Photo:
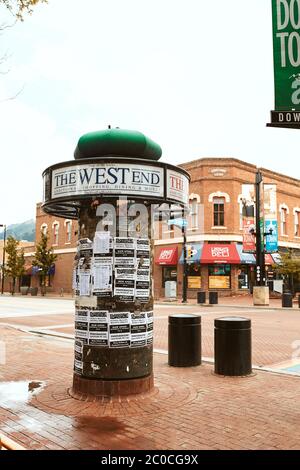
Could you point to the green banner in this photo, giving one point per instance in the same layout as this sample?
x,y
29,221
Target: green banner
x,y
286,38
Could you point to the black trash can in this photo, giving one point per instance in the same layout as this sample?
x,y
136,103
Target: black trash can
x,y
299,301
287,299
233,350
201,297
213,298
184,340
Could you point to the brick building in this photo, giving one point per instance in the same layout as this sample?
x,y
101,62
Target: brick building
x,y
215,227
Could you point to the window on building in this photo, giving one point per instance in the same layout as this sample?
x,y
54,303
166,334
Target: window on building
x,y
68,231
283,216
44,229
194,276
194,214
219,211
55,233
297,224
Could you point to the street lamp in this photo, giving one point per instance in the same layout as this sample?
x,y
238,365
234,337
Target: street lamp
x,y
3,257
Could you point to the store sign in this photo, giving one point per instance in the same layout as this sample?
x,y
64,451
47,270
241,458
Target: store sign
x,y
219,282
177,186
108,178
286,44
194,282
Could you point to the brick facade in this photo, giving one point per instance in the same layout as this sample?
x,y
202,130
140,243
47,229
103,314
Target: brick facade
x,y
210,177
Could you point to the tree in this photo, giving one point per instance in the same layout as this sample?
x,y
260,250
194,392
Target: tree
x,y
289,268
16,261
43,259
21,7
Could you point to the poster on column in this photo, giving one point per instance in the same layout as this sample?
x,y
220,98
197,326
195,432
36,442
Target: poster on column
x,y
102,279
84,282
124,252
81,331
271,223
138,330
124,284
119,329
143,252
98,327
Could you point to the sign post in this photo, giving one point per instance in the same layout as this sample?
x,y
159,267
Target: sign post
x,y
286,48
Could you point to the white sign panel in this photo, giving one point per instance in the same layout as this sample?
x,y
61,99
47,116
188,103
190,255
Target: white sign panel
x,y
177,186
112,178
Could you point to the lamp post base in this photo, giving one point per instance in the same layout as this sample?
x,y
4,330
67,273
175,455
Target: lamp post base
x,y
93,390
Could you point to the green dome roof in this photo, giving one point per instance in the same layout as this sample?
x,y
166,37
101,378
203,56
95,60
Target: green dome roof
x,y
117,142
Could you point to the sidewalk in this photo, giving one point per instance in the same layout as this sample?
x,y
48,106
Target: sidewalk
x,y
190,408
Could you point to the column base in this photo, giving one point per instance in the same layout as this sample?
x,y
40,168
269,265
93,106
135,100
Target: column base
x,y
91,390
261,295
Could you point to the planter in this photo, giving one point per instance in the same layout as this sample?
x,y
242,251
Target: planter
x,y
24,290
33,290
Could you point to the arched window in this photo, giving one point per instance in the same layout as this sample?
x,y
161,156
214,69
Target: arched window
x,y
194,211
55,227
44,229
284,211
296,212
68,225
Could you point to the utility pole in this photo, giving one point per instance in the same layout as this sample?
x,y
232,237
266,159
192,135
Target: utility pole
x,y
260,231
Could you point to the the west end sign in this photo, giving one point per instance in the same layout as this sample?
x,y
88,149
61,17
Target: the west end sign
x,y
157,181
286,46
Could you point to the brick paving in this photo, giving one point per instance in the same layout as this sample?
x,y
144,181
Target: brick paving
x,y
189,408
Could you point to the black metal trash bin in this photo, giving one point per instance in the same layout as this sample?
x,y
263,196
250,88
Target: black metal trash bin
x,y
213,298
287,299
201,297
233,350
184,346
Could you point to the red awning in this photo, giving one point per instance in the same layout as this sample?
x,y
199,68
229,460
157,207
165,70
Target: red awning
x,y
219,253
167,256
268,259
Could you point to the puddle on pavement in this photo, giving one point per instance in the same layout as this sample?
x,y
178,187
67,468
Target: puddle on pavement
x,y
15,394
101,425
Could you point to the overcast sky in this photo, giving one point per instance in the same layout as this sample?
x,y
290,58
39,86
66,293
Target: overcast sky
x,y
196,76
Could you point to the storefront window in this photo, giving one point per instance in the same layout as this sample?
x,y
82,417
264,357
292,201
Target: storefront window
x,y
169,273
219,276
194,276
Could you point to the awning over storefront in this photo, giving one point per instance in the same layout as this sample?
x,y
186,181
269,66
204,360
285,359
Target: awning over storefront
x,y
167,256
193,252
245,258
220,253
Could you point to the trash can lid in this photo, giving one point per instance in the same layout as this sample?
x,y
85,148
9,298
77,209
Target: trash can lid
x,y
233,323
184,319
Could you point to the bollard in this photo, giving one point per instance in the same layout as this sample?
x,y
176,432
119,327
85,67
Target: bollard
x,y
233,352
201,297
184,347
287,299
213,298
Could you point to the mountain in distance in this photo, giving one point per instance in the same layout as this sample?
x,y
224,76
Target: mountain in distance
x,y
22,231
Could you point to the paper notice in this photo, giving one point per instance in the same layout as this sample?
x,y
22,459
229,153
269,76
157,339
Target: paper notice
x,y
125,273
119,318
102,242
102,277
99,316
84,283
98,338
81,315
143,252
124,252
119,340
138,340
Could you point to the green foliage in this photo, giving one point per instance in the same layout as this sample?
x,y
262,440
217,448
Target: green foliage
x,y
14,267
19,8
44,257
289,266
